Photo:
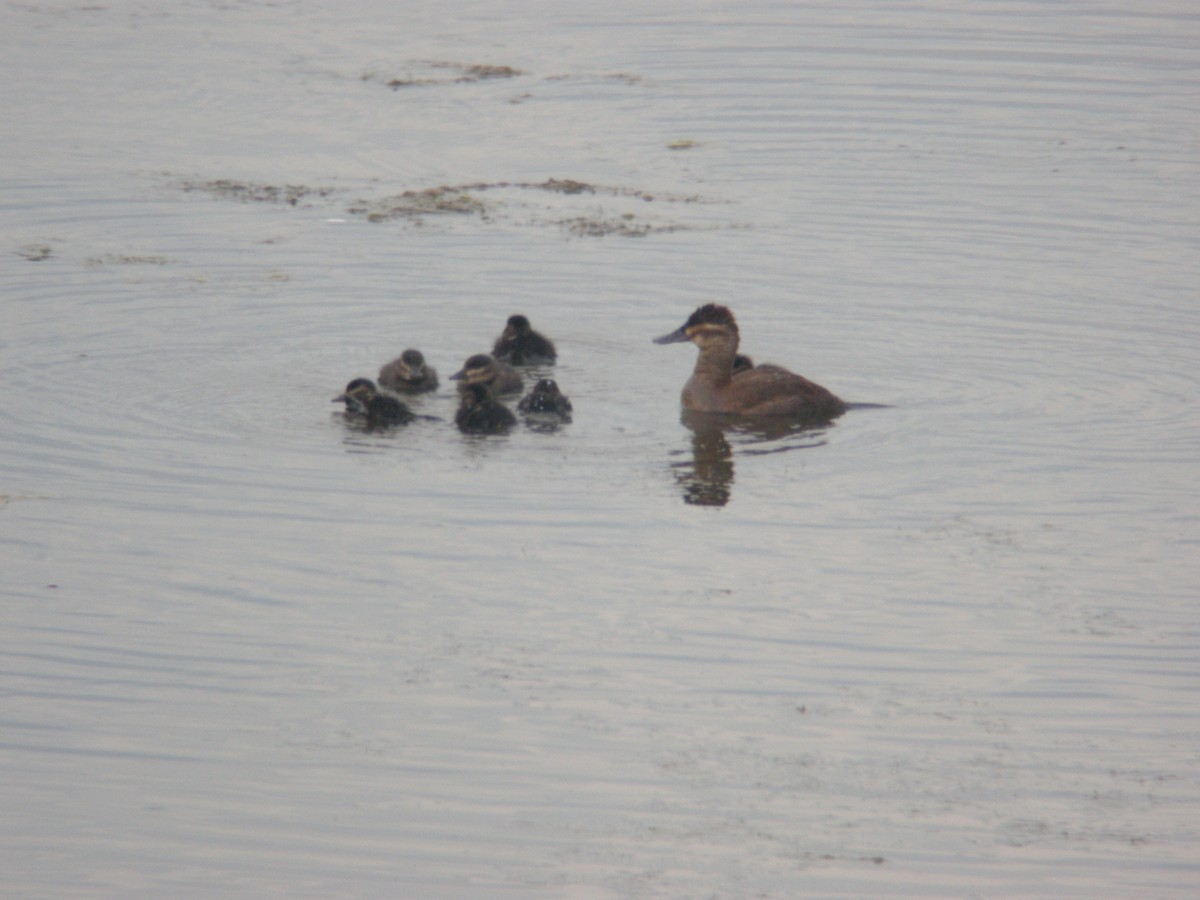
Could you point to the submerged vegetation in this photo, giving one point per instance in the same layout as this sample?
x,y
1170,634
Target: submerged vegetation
x,y
249,192
444,73
505,202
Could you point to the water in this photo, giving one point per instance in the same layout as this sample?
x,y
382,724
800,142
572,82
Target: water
x,y
947,647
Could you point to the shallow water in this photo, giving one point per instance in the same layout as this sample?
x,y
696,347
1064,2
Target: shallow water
x,y
945,647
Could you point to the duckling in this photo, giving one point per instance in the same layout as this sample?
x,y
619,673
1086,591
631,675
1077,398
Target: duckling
x,y
765,390
384,410
520,345
364,401
741,363
546,400
409,374
356,396
483,369
480,413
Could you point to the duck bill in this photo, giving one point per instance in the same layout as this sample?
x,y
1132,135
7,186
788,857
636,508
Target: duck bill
x,y
675,337
459,376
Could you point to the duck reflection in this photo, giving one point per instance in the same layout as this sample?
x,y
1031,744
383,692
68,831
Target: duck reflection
x,y
707,478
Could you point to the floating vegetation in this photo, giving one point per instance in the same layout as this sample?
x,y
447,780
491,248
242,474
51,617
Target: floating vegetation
x,y
483,73
464,199
417,204
35,252
507,201
247,192
623,77
625,225
446,73
122,259
682,144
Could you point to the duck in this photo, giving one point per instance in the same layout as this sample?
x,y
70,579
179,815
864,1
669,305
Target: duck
x,y
481,413
409,374
364,401
520,345
484,369
763,390
546,400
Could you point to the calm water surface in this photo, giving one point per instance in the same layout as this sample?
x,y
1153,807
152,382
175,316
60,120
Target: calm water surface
x,y
946,647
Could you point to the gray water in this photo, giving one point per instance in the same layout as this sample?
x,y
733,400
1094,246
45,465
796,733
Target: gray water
x,y
947,646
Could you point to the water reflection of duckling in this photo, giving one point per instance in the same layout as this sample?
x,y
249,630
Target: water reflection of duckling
x,y
364,401
546,400
764,390
520,345
480,413
409,374
483,369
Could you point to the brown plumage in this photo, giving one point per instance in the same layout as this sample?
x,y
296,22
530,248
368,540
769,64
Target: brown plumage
x,y
408,374
520,345
483,369
480,413
366,403
765,390
546,400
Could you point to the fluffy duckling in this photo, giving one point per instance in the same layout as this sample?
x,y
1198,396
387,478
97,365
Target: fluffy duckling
x,y
483,369
741,363
520,345
764,390
409,374
546,400
364,401
480,413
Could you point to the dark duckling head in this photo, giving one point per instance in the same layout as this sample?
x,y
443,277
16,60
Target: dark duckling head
x,y
357,395
409,374
756,391
547,400
364,401
480,413
741,363
484,369
520,345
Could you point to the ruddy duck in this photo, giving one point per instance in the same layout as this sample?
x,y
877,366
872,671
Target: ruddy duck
x,y
408,374
520,345
483,369
364,401
758,391
546,400
480,413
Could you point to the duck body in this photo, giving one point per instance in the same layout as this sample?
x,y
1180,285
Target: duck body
x,y
408,374
480,413
765,390
384,410
364,401
520,345
483,369
546,400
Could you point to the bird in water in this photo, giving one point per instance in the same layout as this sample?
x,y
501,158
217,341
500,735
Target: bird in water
x,y
764,390
483,369
481,413
520,345
546,400
364,401
408,374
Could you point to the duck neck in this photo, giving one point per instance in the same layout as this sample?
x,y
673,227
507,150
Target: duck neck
x,y
714,365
